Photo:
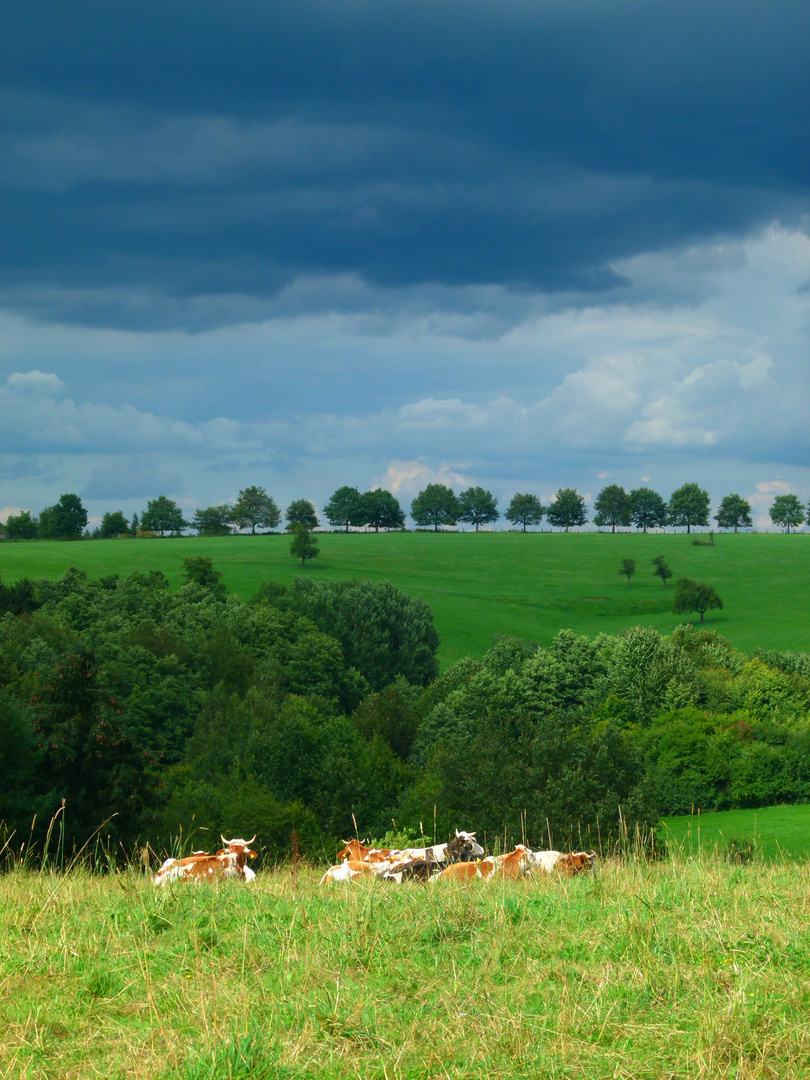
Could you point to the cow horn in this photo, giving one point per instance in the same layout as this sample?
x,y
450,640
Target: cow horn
x,y
224,841
250,841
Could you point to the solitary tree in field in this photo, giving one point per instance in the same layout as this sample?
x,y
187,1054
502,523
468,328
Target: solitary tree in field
x,y
303,545
301,512
734,513
380,509
254,507
525,510
345,508
695,596
436,505
627,569
787,511
661,569
567,510
613,507
478,507
688,506
648,509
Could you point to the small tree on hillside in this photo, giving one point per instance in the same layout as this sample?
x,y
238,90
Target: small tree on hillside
x,y
478,507
695,596
627,569
661,569
303,545
525,510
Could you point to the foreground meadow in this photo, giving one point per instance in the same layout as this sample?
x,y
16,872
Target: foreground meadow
x,y
686,968
482,584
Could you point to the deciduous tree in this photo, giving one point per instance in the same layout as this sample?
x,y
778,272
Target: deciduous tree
x,y
661,569
695,596
303,545
64,520
478,507
344,509
688,506
381,510
567,511
734,513
213,520
436,505
627,569
22,526
787,511
163,515
113,523
613,507
648,509
254,507
525,510
301,512
199,570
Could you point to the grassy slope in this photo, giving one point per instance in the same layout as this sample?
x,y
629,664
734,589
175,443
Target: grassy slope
x,y
777,831
480,585
683,969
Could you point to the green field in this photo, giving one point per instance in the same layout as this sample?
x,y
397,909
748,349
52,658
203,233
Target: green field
x,y
480,585
777,832
681,970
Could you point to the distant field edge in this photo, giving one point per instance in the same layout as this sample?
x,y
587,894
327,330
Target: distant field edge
x,y
776,832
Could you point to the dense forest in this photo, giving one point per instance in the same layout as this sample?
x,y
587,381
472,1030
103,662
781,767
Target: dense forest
x,y
319,708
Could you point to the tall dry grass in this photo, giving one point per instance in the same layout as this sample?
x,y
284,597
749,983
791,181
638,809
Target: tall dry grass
x,y
683,968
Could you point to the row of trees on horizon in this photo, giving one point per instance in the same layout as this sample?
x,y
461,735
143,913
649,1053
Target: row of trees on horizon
x,y
436,506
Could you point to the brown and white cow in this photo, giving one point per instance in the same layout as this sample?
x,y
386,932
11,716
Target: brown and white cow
x,y
577,862
228,863
513,865
351,870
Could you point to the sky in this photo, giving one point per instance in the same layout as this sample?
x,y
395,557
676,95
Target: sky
x,y
522,245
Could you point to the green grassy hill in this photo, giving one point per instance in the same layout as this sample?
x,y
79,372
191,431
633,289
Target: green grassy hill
x,y
484,584
776,831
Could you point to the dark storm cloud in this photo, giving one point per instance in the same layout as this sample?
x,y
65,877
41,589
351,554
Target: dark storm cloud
x,y
179,165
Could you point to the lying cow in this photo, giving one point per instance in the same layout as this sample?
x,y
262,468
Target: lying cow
x,y
463,848
513,865
577,862
352,870
228,863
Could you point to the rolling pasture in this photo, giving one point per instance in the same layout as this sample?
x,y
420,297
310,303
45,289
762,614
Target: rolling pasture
x,y
680,969
776,832
484,584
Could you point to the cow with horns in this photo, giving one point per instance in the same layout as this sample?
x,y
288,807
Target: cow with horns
x,y
229,863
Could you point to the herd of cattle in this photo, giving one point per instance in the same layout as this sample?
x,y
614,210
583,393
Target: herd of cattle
x,y
462,859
